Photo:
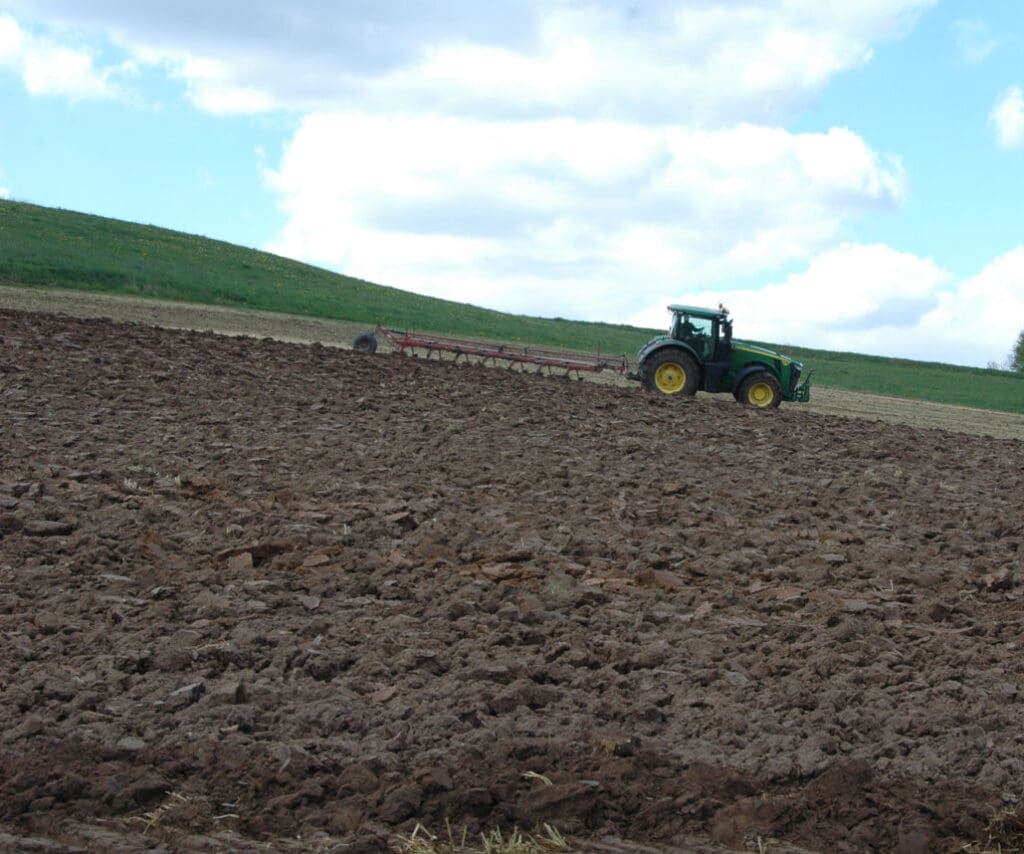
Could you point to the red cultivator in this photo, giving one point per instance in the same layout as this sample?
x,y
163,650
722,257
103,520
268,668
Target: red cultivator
x,y
495,353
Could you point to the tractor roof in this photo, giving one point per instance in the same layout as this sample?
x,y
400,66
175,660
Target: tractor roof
x,y
710,313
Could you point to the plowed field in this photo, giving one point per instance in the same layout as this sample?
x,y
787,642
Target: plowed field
x,y
263,596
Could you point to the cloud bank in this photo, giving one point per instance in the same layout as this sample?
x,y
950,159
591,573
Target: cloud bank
x,y
698,62
510,211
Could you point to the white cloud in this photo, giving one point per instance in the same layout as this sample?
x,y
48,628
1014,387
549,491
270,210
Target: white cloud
x,y
537,215
212,88
843,291
982,316
11,37
707,63
975,41
49,68
696,64
873,299
1008,118
12,42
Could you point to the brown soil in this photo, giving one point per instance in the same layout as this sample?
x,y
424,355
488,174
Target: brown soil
x,y
335,333
261,595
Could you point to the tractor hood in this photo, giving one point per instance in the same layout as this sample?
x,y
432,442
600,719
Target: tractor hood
x,y
763,352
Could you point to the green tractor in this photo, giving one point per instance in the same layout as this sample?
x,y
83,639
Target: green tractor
x,y
699,354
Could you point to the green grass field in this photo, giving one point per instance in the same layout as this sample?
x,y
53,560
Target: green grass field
x,y
977,387
47,247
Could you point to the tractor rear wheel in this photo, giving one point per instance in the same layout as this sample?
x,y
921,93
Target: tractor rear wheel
x,y
671,371
761,390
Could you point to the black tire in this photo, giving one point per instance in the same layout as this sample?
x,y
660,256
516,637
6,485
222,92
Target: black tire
x,y
671,371
761,390
365,342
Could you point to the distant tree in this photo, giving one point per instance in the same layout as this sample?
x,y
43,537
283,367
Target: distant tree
x,y
1016,358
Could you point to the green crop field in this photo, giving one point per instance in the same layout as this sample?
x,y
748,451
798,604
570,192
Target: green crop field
x,y
46,247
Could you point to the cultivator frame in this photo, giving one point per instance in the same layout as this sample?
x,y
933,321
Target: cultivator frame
x,y
486,351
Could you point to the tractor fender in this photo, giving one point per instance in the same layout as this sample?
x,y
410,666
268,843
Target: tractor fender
x,y
657,344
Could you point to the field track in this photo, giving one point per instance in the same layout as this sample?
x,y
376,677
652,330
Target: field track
x,y
256,595
831,401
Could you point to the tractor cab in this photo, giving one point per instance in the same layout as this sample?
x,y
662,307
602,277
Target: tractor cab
x,y
709,335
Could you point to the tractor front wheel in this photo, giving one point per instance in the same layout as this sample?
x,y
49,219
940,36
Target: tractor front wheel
x,y
761,390
671,372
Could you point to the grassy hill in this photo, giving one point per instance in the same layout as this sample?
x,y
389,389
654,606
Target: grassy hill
x,y
46,247
57,248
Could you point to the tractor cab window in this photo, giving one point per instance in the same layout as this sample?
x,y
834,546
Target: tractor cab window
x,y
698,332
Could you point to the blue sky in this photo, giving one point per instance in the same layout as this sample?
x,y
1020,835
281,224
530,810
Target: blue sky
x,y
845,175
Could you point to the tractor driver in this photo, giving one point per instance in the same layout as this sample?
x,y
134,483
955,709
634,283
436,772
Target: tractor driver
x,y
697,336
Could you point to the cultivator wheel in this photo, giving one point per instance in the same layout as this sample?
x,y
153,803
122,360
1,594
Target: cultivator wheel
x,y
365,342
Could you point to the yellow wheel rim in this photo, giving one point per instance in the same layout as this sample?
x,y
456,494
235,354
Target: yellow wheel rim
x,y
761,394
670,378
